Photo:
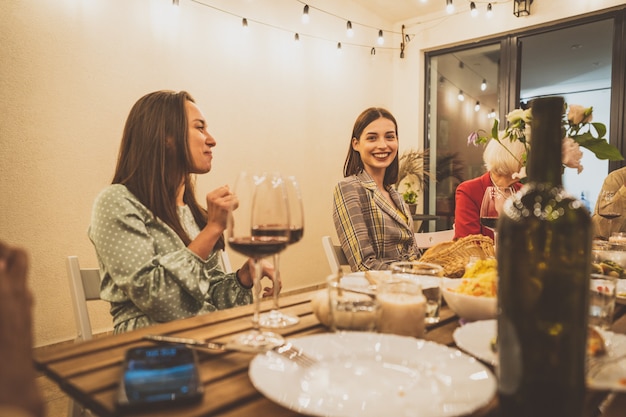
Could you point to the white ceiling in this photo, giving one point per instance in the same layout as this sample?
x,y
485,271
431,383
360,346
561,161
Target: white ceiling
x,y
399,10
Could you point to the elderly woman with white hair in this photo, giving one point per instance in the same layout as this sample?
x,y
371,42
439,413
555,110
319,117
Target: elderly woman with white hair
x,y
503,163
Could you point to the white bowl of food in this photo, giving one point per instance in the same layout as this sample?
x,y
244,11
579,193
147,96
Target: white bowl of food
x,y
467,304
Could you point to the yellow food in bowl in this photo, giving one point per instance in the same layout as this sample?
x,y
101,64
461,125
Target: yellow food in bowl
x,y
480,279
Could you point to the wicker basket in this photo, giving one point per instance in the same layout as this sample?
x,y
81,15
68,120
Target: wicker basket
x,y
454,255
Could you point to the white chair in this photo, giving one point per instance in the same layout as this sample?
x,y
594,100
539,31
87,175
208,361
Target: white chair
x,y
84,286
427,240
225,260
334,254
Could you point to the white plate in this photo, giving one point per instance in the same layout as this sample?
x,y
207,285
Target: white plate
x,y
612,377
372,374
621,291
475,339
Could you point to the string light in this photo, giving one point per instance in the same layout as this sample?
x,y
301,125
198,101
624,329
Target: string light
x,y
492,114
349,30
483,85
244,23
338,48
489,10
473,9
296,38
381,40
449,7
461,96
477,106
305,14
176,2
373,51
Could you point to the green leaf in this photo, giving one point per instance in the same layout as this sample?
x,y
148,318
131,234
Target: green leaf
x,y
494,129
600,128
601,148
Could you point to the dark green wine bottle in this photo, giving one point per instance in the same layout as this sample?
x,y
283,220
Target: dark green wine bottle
x,y
544,262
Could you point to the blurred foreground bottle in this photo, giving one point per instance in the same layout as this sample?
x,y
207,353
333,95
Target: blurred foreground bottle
x,y
544,262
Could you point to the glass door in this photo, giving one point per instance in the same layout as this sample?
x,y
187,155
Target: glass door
x,y
576,63
464,97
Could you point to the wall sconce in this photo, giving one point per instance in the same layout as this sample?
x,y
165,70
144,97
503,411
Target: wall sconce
x,y
521,7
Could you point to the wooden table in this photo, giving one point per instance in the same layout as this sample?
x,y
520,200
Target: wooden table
x,y
89,371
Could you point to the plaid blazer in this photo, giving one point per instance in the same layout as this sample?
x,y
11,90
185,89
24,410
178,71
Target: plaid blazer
x,y
372,232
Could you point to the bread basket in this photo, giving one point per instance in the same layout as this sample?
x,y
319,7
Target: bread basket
x,y
454,255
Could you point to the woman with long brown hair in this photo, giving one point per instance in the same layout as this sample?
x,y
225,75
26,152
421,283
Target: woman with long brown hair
x,y
157,247
372,222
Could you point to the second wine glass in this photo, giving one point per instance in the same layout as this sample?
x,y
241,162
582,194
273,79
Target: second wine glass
x,y
276,319
258,227
609,207
492,203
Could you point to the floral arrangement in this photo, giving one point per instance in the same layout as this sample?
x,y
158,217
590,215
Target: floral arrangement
x,y
578,130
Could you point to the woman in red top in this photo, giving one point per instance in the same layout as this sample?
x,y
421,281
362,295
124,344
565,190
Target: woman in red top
x,y
502,161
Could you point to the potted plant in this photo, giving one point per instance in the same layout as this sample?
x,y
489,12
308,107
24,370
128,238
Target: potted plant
x,y
410,197
411,177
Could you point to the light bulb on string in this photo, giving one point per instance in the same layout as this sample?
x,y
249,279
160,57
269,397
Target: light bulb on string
x,y
296,38
349,30
483,85
477,106
449,6
473,9
305,14
381,40
373,51
176,2
244,24
489,10
338,48
461,96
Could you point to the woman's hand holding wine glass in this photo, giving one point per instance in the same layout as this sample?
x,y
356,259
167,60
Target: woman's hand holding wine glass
x,y
257,228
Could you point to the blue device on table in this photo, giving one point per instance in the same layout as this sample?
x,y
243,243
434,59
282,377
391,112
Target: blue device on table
x,y
158,376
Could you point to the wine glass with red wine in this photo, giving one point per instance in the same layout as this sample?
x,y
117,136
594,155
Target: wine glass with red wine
x,y
257,228
276,319
492,203
609,207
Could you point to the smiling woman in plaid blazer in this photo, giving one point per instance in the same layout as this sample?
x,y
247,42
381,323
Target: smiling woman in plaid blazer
x,y
373,224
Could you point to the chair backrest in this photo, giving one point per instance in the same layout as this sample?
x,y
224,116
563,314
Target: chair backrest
x,y
84,286
334,254
225,260
426,240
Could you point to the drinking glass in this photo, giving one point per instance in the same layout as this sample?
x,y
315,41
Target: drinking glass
x,y
492,203
258,227
276,319
609,207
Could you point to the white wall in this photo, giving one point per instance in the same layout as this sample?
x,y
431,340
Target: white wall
x,y
71,69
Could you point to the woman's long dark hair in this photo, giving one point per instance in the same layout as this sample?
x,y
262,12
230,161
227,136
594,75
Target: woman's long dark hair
x,y
154,157
354,164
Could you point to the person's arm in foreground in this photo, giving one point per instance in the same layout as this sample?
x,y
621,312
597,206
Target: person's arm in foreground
x,y
19,394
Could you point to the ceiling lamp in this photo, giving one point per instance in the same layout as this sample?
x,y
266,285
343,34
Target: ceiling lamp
x,y
473,9
449,7
521,7
483,85
305,14
349,30
489,10
461,96
477,106
381,40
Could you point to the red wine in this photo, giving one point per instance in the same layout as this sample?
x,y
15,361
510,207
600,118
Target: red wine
x,y
609,216
295,234
489,222
258,246
270,231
